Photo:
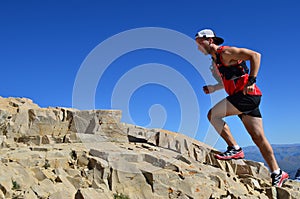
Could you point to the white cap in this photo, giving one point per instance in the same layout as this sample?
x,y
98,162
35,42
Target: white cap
x,y
208,33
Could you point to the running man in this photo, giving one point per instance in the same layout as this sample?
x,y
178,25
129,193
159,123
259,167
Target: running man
x,y
229,63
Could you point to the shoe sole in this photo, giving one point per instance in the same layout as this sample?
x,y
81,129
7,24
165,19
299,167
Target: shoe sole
x,y
241,156
221,158
229,158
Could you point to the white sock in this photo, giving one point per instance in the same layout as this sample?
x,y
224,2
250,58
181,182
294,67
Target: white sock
x,y
277,171
236,147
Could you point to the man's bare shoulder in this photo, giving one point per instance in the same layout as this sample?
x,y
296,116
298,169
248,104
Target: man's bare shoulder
x,y
235,53
232,50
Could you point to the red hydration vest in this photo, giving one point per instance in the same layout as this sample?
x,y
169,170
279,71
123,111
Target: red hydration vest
x,y
234,77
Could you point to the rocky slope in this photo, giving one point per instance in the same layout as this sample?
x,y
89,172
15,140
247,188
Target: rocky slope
x,y
61,153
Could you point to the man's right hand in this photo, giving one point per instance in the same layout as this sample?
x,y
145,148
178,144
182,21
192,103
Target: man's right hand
x,y
208,89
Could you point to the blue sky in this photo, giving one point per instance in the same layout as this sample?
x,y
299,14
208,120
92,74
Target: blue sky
x,y
43,44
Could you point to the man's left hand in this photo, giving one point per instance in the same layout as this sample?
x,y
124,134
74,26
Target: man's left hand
x,y
249,89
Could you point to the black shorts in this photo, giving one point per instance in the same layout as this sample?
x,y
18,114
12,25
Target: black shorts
x,y
247,104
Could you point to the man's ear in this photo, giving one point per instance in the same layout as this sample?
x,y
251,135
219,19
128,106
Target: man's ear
x,y
211,41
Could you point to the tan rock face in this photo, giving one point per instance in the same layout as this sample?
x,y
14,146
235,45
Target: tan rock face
x,y
66,153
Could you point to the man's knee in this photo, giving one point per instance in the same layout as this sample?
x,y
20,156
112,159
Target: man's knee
x,y
211,115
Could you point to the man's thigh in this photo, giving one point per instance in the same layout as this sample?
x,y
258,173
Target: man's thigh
x,y
224,108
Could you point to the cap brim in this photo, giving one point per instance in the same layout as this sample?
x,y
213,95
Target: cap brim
x,y
218,40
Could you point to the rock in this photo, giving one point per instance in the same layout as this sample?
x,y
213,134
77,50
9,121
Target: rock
x,y
29,194
293,187
47,139
2,140
58,159
44,188
65,184
61,194
83,160
67,153
90,193
2,196
104,124
38,174
6,184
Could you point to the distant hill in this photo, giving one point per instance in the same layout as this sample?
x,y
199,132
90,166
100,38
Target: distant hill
x,y
287,155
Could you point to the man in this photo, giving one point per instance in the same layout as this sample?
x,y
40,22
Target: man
x,y
243,98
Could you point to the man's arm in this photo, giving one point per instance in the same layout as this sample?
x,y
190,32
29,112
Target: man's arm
x,y
235,54
218,86
212,88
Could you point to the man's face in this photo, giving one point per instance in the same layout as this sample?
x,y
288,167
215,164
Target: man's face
x,y
203,45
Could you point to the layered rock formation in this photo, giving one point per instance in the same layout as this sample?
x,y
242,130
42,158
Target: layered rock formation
x,y
61,153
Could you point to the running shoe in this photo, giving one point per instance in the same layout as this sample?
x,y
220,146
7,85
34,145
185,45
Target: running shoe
x,y
231,153
279,179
